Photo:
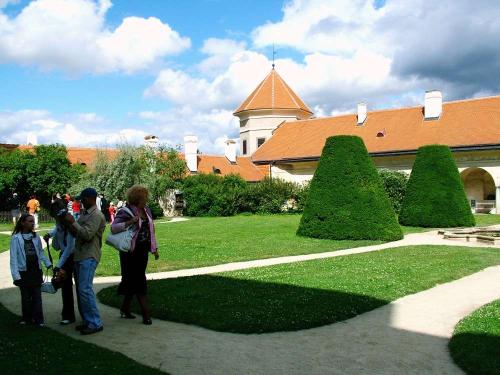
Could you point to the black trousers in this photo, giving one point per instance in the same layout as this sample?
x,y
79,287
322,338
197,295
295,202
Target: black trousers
x,y
68,310
31,304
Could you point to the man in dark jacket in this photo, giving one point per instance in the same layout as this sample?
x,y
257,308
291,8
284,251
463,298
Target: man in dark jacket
x,y
14,206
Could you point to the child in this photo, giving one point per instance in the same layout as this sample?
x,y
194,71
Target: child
x,y
26,257
112,212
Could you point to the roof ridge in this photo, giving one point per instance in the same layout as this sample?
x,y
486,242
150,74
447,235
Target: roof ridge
x,y
257,91
397,109
273,74
288,92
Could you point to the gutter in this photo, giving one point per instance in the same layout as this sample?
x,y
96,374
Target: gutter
x,y
487,147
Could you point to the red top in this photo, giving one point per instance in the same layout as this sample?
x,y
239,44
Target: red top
x,y
76,207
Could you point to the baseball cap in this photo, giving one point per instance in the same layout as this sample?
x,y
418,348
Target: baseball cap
x,y
88,193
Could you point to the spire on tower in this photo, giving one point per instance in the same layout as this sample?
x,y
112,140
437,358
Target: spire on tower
x,y
274,53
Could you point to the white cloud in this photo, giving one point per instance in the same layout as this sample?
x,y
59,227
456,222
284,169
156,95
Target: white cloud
x,y
219,51
243,71
212,127
71,130
72,35
451,44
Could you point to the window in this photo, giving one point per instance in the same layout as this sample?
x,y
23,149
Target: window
x,y
260,142
244,147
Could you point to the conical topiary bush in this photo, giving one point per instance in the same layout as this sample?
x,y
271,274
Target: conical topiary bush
x,y
346,197
435,195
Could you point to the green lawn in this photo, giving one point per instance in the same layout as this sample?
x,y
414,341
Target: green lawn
x,y
208,241
33,350
308,294
485,220
475,345
4,242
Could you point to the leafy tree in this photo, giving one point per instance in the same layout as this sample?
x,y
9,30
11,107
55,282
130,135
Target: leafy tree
x,y
346,198
41,172
435,195
158,169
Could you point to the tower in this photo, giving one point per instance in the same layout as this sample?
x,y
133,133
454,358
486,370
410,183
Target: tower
x,y
271,103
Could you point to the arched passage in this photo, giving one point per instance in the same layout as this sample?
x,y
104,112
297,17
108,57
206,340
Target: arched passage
x,y
480,189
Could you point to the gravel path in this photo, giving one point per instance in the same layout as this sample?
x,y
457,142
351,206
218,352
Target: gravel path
x,y
409,335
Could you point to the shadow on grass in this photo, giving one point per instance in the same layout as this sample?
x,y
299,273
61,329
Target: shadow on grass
x,y
247,306
476,353
34,350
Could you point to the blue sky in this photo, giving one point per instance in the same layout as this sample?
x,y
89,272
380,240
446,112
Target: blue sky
x,y
115,95
96,72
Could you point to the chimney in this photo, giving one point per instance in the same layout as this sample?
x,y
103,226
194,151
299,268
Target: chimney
x,y
230,150
191,152
433,104
151,141
361,113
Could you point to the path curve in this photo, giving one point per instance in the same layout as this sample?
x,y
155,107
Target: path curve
x,y
409,335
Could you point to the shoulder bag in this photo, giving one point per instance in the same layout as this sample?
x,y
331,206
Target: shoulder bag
x,y
122,241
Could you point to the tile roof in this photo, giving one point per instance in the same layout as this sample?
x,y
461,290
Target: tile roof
x,y
471,122
82,155
206,163
273,93
243,166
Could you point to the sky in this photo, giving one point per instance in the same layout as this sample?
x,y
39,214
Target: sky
x,y
98,73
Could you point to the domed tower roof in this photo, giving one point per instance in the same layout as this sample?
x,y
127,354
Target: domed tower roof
x,y
273,93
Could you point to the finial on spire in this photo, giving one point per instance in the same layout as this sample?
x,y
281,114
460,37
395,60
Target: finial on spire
x,y
274,53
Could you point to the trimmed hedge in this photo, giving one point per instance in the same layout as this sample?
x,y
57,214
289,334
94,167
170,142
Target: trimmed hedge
x,y
346,197
435,195
394,183
270,196
213,195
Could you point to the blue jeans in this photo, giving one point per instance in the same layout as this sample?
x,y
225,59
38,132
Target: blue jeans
x,y
85,270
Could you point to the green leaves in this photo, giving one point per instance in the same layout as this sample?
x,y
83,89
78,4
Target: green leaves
x,y
435,195
346,198
158,169
42,171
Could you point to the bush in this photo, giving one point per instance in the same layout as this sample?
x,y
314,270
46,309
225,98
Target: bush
x,y
394,183
272,196
212,195
346,198
435,195
156,209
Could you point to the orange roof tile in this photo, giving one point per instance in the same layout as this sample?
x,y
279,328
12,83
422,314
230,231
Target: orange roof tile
x,y
463,123
273,93
243,166
82,155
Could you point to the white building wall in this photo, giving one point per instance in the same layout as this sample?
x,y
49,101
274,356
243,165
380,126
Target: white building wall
x,y
301,172
259,127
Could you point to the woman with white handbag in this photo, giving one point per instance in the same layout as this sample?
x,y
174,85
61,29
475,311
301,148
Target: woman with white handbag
x,y
134,235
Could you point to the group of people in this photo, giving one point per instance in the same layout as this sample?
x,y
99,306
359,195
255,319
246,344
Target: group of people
x,y
32,207
80,243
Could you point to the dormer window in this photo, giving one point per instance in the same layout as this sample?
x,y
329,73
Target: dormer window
x,y
381,134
